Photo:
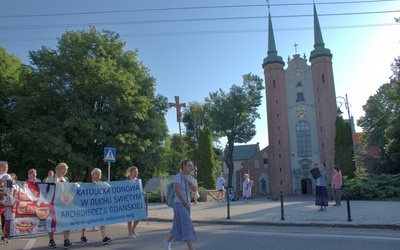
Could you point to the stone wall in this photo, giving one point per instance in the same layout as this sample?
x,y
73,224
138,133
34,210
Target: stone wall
x,y
209,195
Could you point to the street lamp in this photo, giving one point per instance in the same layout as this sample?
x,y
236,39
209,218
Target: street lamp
x,y
345,101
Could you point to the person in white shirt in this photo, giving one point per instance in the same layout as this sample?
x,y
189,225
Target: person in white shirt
x,y
220,187
4,177
163,188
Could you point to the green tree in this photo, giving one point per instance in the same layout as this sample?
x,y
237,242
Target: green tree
x,y
171,155
392,133
233,114
193,118
206,160
344,152
381,123
86,95
11,71
176,156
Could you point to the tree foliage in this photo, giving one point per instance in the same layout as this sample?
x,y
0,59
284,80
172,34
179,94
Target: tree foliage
x,y
205,165
233,114
86,95
193,118
374,187
344,152
11,71
381,123
172,154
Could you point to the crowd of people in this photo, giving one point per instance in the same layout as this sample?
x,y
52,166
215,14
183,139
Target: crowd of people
x,y
59,176
186,188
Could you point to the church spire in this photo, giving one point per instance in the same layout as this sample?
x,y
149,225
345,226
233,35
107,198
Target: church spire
x,y
319,45
272,53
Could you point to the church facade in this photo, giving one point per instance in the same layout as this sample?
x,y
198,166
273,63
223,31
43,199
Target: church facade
x,y
301,112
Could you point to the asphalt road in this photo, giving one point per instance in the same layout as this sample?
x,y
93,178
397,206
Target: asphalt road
x,y
221,237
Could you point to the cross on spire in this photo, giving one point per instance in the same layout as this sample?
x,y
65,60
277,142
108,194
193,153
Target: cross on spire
x,y
295,47
178,107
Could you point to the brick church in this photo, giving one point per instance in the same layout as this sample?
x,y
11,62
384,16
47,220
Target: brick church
x,y
301,112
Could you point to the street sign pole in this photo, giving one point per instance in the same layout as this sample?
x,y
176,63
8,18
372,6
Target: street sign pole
x,y
110,155
109,171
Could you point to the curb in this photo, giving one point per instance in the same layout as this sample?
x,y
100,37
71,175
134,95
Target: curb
x,y
287,224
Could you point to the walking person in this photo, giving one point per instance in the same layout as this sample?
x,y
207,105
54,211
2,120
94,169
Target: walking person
x,y
195,194
337,185
220,187
32,173
246,188
321,192
59,177
96,179
132,174
49,174
163,188
14,178
182,226
4,177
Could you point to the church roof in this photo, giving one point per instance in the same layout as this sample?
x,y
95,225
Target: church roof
x,y
243,152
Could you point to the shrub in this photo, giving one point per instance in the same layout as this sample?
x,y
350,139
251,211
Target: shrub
x,y
374,187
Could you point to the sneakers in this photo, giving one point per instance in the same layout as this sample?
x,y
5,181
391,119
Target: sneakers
x,y
67,243
84,240
52,244
167,244
106,240
6,241
135,233
132,236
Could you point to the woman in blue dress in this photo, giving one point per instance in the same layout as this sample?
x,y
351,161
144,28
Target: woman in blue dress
x,y
182,227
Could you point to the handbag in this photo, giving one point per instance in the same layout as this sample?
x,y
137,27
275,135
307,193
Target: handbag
x,y
315,173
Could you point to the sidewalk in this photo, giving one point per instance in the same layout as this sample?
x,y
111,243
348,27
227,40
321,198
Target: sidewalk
x,y
297,211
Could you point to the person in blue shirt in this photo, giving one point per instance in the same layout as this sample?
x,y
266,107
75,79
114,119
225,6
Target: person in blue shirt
x,y
182,226
321,192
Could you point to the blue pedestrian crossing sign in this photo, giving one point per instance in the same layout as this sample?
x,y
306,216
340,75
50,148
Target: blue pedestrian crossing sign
x,y
110,154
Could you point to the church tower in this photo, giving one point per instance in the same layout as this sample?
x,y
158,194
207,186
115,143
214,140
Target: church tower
x,y
324,94
278,129
301,112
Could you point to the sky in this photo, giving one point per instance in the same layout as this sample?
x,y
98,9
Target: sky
x,y
196,47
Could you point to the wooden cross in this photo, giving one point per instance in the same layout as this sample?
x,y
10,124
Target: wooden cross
x,y
178,107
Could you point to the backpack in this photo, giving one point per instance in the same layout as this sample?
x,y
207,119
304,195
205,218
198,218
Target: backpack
x,y
171,194
251,183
